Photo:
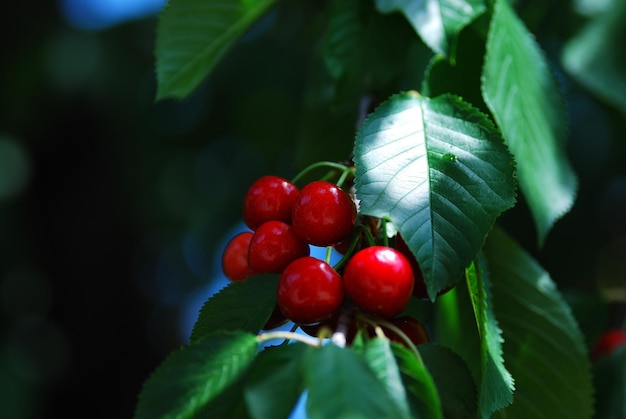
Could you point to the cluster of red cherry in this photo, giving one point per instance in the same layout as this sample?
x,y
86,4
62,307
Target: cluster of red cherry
x,y
376,279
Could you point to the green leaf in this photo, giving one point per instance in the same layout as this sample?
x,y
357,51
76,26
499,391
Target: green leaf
x,y
437,22
243,305
440,171
192,36
543,347
453,379
496,384
274,383
363,50
191,377
596,58
524,98
381,360
422,391
609,377
341,385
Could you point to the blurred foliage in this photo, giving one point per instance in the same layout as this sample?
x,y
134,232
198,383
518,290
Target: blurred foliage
x,y
114,208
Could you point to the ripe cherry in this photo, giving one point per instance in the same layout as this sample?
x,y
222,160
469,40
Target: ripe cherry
x,y
309,290
608,342
273,246
269,198
235,257
379,280
323,214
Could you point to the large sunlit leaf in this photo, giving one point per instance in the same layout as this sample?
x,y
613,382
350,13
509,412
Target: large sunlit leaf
x,y
596,56
522,93
341,385
192,36
543,347
243,305
190,378
437,22
440,171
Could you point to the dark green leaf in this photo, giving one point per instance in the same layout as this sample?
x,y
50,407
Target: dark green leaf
x,y
242,305
194,375
341,385
496,384
524,98
422,391
440,171
274,382
453,379
192,35
596,56
364,50
610,385
381,360
437,22
543,347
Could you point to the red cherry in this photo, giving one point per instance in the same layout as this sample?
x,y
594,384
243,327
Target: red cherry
x,y
380,280
309,290
273,246
269,198
323,214
608,342
235,257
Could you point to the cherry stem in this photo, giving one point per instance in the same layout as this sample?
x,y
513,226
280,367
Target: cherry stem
x,y
348,254
282,334
384,229
345,171
329,251
339,337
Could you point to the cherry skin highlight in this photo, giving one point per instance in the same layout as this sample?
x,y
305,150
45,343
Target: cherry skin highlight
x,y
323,214
379,280
309,291
273,246
235,257
269,198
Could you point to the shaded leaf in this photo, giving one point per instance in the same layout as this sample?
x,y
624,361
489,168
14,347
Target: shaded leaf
x,y
380,358
439,170
437,22
274,383
191,377
596,57
543,347
496,384
609,377
419,384
453,379
242,305
341,385
192,36
524,98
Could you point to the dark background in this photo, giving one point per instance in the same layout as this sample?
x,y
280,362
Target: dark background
x,y
114,208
